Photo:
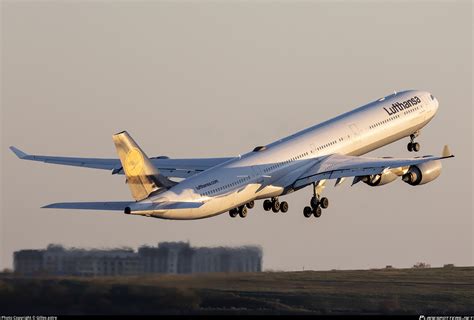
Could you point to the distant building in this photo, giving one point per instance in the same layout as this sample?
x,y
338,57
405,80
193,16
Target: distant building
x,y
449,265
57,260
421,265
244,259
28,262
167,257
154,260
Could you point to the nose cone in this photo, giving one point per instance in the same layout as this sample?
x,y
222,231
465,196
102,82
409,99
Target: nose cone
x,y
435,103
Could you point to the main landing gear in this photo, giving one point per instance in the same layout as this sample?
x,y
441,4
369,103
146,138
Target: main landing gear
x,y
412,145
275,205
242,210
317,202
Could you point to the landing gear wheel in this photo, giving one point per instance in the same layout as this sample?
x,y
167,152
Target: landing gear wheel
x,y
250,204
314,202
276,206
307,212
317,202
243,211
284,206
233,213
317,212
324,203
267,205
413,146
416,147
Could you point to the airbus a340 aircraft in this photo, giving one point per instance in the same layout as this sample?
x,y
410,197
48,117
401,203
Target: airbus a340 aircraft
x,y
328,151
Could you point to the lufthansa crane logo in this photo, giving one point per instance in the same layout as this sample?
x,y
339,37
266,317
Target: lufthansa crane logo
x,y
134,162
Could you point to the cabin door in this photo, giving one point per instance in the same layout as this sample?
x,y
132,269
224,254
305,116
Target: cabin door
x,y
355,132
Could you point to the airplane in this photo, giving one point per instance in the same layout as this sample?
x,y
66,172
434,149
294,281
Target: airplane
x,y
187,189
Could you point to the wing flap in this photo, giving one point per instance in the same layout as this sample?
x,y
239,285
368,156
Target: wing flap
x,y
336,174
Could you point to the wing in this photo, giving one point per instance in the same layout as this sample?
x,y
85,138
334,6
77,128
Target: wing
x,y
173,168
337,166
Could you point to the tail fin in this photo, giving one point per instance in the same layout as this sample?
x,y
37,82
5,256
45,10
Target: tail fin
x,y
142,176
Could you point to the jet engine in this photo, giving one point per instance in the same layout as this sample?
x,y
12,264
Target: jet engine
x,y
422,173
380,179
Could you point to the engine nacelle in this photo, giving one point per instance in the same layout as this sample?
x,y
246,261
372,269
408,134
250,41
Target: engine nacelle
x,y
422,173
380,179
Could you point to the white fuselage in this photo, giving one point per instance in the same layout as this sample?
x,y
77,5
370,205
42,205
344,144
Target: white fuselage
x,y
271,171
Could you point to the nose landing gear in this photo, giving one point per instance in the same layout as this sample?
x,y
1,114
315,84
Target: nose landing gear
x,y
412,145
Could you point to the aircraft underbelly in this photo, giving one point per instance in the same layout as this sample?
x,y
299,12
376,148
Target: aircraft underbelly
x,y
213,206
270,191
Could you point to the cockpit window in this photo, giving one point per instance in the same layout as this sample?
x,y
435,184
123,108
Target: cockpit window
x,y
432,98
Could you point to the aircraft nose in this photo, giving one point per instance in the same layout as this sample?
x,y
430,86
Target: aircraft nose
x,y
434,103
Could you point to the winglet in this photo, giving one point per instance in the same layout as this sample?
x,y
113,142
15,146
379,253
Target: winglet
x,y
446,152
20,154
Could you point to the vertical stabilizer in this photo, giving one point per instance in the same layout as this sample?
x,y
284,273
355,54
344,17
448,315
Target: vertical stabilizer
x,y
143,177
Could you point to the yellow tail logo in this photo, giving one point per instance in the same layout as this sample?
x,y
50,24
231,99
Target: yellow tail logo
x,y
143,177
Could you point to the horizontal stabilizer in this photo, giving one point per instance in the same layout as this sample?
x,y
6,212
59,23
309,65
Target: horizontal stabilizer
x,y
124,206
109,206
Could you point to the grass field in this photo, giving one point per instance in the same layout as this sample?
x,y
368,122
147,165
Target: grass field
x,y
435,291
